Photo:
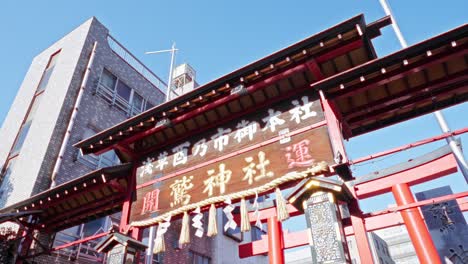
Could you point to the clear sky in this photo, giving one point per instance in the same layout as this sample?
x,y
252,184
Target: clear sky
x,y
217,37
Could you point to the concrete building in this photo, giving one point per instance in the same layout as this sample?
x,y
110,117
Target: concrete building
x,y
446,224
379,248
37,135
399,244
42,124
34,129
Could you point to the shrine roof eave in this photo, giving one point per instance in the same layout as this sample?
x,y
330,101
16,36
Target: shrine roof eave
x,y
414,81
77,201
104,139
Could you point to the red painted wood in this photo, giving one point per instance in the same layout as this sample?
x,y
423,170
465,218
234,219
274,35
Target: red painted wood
x,y
334,128
126,207
275,241
463,203
254,109
218,102
417,230
327,55
415,100
70,216
137,233
390,217
412,145
86,239
372,222
336,52
24,246
360,233
402,71
423,173
314,68
253,248
413,92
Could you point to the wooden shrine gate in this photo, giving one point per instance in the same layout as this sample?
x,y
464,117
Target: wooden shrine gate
x,y
279,124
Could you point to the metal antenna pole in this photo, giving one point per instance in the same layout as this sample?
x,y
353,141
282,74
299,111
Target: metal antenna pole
x,y
457,152
149,251
171,67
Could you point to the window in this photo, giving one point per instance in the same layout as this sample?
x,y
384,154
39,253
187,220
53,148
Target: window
x,y
120,95
34,106
124,91
92,161
137,102
48,72
196,258
6,185
23,132
108,80
148,105
21,137
25,127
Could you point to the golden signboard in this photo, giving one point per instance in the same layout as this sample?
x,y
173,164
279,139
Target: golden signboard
x,y
246,154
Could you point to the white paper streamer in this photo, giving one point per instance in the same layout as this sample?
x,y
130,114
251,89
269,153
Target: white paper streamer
x,y
197,223
228,212
162,227
256,206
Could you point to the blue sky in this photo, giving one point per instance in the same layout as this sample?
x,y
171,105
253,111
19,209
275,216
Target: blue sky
x,y
217,37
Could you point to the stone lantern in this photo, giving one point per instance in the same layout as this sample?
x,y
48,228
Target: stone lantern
x,y
120,248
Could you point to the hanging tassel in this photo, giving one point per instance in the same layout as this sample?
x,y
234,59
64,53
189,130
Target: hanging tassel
x,y
281,207
212,226
159,244
245,223
185,230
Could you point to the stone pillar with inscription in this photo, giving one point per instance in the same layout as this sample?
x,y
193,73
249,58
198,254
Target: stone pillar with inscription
x,y
318,197
327,241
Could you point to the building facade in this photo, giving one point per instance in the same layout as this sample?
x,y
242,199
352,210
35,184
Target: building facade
x,y
446,224
33,131
378,246
33,158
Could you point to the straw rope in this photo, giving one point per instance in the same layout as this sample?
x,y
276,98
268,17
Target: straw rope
x,y
317,168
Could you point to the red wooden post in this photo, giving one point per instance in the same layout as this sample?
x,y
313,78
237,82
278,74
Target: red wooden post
x,y
125,218
360,233
334,128
417,230
362,242
275,241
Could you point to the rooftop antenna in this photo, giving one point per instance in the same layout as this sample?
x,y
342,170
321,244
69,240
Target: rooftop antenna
x,y
149,252
169,82
438,114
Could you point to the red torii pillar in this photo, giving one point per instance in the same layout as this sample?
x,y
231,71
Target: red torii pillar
x,y
417,230
275,241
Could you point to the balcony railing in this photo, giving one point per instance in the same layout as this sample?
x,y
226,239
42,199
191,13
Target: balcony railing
x,y
116,100
122,52
96,162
